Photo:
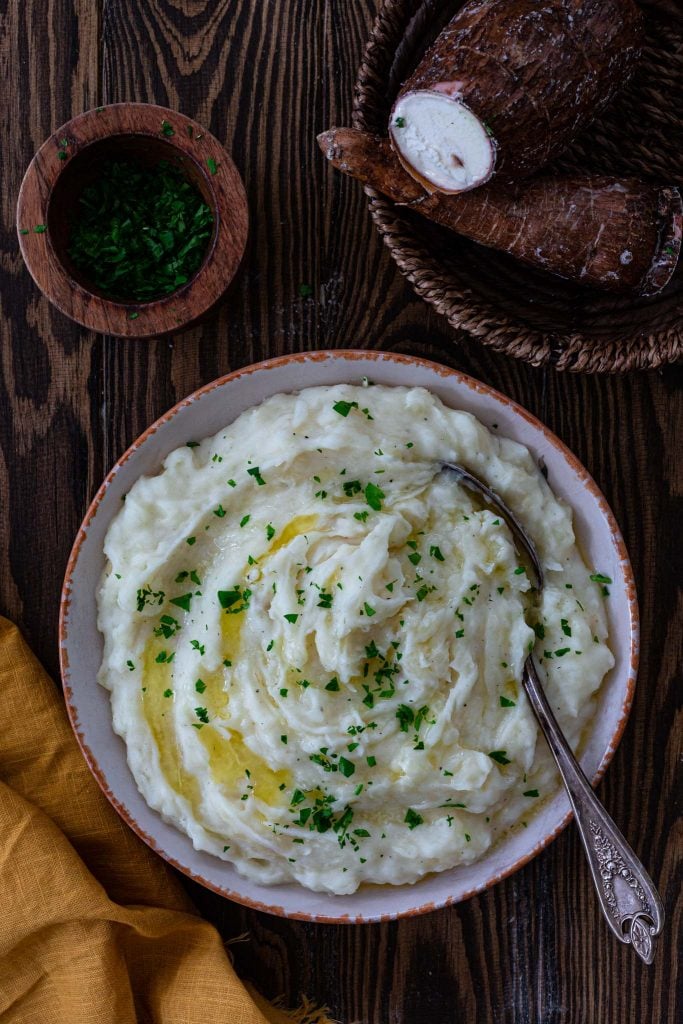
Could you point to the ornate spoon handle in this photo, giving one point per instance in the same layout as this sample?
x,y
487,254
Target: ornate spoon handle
x,y
627,896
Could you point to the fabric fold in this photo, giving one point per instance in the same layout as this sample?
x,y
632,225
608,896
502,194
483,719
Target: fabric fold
x,y
94,928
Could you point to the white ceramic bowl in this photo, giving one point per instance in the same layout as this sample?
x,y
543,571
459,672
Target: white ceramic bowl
x,y
203,414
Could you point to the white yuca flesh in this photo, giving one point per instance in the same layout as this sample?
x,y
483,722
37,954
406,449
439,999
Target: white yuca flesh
x,y
441,142
314,639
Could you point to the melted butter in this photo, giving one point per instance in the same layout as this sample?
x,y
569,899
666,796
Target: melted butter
x,y
157,710
231,633
229,760
295,528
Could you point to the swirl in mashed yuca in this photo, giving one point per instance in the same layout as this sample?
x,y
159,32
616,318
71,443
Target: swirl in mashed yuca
x,y
314,638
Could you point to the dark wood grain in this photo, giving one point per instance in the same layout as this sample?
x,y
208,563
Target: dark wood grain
x,y
266,78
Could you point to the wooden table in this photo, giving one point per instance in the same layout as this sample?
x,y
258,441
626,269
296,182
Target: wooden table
x,y
265,76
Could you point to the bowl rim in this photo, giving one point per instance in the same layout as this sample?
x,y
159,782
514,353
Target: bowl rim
x,y
224,251
474,385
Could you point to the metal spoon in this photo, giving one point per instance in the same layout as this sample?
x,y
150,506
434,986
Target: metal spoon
x,y
628,898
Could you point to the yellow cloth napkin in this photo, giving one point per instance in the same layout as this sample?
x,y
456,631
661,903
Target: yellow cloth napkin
x,y
94,927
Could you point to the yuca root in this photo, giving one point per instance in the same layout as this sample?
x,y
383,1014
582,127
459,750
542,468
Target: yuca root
x,y
618,234
529,74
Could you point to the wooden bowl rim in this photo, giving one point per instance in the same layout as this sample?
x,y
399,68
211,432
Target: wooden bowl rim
x,y
224,252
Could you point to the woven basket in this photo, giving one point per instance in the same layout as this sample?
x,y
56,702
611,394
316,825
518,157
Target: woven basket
x,y
513,308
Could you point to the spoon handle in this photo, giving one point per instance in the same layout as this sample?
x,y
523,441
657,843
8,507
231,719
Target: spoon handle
x,y
627,895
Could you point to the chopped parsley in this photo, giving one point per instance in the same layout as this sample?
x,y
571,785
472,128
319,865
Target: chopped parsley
x,y
140,232
499,756
200,686
373,496
229,598
413,819
255,472
147,596
344,408
183,601
168,627
505,702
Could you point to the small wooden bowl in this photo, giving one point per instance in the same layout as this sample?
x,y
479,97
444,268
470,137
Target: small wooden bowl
x,y
72,158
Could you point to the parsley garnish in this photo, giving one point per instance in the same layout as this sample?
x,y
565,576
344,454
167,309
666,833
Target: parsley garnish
x,y
147,596
255,472
229,598
373,496
499,756
598,577
344,408
168,627
413,819
505,702
140,231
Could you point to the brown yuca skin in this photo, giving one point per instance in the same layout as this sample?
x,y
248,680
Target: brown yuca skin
x,y
534,72
619,234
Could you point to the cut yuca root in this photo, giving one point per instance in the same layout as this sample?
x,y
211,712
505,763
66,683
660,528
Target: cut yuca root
x,y
620,234
508,84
